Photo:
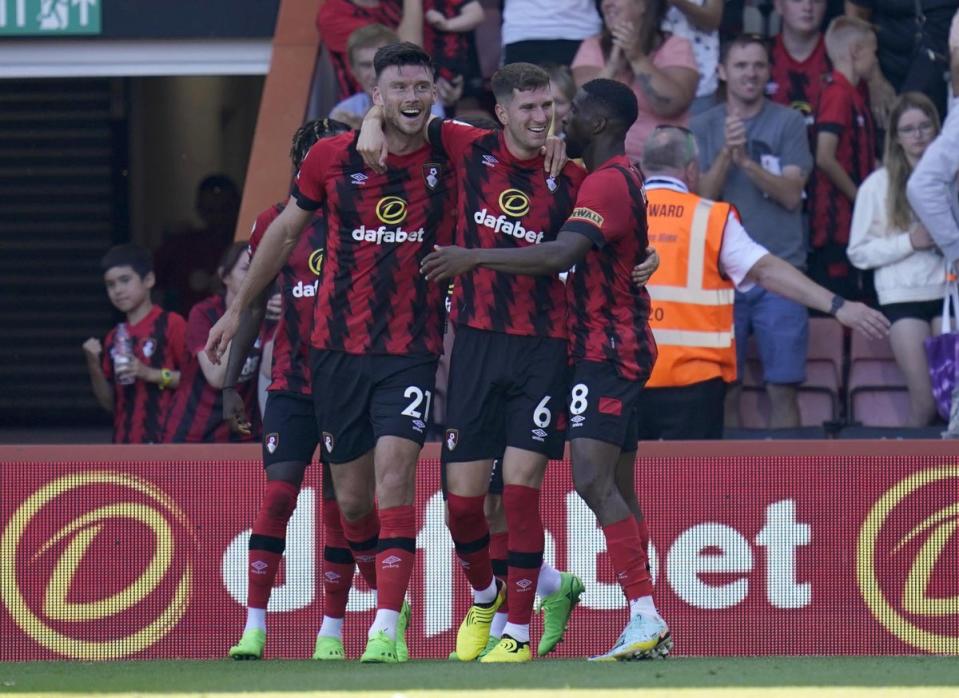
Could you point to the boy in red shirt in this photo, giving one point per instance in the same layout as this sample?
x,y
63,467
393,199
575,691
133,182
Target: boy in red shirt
x,y
845,150
798,63
136,376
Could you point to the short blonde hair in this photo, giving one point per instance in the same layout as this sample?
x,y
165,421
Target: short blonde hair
x,y
843,32
369,36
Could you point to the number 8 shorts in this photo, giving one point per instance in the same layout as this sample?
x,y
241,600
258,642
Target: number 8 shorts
x,y
359,398
505,390
603,405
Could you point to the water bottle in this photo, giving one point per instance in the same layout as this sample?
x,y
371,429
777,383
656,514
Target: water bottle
x,y
122,354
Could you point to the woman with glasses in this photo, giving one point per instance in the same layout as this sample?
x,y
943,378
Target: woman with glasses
x,y
910,271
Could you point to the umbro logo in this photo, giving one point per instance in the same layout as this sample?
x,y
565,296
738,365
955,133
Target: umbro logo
x,y
332,576
258,566
392,562
490,161
539,435
524,584
358,178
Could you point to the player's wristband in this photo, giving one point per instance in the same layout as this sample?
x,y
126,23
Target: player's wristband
x,y
166,378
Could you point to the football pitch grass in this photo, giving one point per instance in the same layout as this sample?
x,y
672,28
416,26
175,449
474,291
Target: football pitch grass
x,y
812,677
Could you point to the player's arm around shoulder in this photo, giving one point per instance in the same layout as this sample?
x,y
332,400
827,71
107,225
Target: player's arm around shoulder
x,y
274,249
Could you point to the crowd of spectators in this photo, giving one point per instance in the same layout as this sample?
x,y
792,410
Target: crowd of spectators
x,y
789,130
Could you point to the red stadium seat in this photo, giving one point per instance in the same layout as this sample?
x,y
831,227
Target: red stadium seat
x,y
818,395
877,388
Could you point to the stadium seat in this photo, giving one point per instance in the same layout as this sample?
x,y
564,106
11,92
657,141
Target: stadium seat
x,y
818,395
877,388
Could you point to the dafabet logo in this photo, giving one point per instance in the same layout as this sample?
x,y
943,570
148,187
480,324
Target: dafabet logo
x,y
906,560
97,565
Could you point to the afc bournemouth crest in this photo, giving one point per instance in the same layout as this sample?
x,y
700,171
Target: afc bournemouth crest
x,y
431,173
328,441
452,438
272,442
551,184
149,346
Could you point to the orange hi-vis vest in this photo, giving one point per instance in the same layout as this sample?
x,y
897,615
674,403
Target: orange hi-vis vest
x,y
692,304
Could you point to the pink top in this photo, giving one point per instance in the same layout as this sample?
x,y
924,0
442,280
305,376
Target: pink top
x,y
675,52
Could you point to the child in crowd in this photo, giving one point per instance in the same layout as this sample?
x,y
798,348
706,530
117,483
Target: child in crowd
x,y
196,415
845,155
136,376
448,37
798,60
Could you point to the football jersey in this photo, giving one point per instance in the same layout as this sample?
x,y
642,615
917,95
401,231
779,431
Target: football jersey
x,y
608,313
139,409
337,19
197,412
298,281
371,297
504,202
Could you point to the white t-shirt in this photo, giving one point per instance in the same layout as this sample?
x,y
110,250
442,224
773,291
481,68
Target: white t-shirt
x,y
739,252
533,20
705,47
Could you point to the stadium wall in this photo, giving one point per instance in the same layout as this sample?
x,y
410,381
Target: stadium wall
x,y
760,548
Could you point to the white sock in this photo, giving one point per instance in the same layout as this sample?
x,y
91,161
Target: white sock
x,y
487,595
643,606
255,619
518,632
549,580
331,627
499,622
386,621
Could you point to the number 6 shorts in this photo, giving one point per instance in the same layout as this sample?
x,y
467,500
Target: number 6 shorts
x,y
505,390
359,398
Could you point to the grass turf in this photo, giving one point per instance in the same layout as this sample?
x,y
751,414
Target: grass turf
x,y
225,676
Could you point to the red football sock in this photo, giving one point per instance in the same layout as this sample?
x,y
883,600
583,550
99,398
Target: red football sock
x,y
363,536
499,556
526,541
268,540
644,538
471,537
624,544
338,563
397,553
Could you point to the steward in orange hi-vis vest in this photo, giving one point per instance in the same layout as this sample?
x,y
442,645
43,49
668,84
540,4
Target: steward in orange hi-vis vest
x,y
692,303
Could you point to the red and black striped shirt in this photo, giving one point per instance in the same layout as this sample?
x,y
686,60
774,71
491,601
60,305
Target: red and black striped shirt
x,y
158,341
505,202
298,282
372,298
797,84
197,412
452,52
843,111
337,19
608,314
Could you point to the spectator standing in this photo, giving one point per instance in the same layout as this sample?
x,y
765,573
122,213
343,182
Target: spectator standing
x,y
933,188
136,376
196,415
336,21
186,261
692,316
547,31
913,53
360,49
448,37
797,57
885,236
755,155
634,50
698,22
845,155
564,91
